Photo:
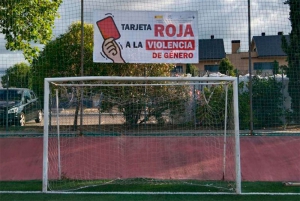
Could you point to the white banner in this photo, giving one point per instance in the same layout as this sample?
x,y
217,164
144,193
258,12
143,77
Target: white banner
x,y
145,37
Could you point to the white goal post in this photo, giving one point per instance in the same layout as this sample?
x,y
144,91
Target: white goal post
x,y
176,129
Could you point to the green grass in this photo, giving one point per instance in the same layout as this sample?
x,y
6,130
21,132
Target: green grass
x,y
56,197
272,187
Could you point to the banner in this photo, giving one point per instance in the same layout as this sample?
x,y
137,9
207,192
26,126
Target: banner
x,y
145,37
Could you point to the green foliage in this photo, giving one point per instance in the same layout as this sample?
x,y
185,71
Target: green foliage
x,y
226,67
24,22
283,69
17,76
292,49
155,101
137,100
275,67
139,70
247,187
244,107
62,57
267,102
190,69
211,106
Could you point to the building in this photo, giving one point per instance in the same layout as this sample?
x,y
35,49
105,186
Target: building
x,y
264,51
211,52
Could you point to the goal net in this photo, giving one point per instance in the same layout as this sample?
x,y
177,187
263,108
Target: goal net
x,y
103,132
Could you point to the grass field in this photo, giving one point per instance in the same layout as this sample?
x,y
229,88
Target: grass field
x,y
56,197
248,187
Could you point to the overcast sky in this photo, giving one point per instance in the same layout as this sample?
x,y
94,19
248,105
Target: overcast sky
x,y
226,19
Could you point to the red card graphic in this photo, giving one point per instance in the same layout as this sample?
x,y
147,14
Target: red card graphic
x,y
108,28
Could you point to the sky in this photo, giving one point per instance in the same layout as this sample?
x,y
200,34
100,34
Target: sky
x,y
225,19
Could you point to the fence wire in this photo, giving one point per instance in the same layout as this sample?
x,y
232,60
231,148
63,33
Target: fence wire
x,y
48,39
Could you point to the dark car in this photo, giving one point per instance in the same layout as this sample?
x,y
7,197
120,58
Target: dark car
x,y
18,106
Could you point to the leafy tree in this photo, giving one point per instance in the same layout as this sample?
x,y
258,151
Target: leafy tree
x,y
283,69
292,49
133,102
137,100
211,106
61,58
17,76
190,69
226,67
267,102
275,67
244,107
24,22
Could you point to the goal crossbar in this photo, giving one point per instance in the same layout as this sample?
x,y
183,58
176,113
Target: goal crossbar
x,y
81,80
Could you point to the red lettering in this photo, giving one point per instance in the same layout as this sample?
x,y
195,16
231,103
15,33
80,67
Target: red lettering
x,y
188,31
171,30
156,55
180,30
178,55
170,45
158,30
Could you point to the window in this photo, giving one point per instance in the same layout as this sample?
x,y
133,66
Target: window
x,y
211,68
12,95
27,96
32,95
178,69
263,65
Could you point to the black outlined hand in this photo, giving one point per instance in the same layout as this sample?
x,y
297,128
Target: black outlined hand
x,y
112,50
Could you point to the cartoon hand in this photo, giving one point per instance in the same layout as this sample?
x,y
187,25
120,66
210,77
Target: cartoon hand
x,y
112,50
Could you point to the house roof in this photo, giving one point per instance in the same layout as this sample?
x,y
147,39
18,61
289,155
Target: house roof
x,y
269,45
211,49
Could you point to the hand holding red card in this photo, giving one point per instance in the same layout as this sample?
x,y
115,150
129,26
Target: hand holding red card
x,y
108,28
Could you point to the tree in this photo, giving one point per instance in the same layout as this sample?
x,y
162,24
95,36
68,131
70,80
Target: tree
x,y
267,102
61,58
26,22
244,107
226,67
136,100
275,67
17,76
190,69
211,105
292,49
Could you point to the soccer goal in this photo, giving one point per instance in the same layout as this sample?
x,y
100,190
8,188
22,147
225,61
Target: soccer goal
x,y
123,134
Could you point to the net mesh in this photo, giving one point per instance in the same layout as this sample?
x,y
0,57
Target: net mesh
x,y
158,132
222,24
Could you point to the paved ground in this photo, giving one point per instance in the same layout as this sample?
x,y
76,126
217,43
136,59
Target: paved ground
x,y
263,158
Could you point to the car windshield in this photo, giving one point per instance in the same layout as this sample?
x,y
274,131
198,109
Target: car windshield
x,y
12,95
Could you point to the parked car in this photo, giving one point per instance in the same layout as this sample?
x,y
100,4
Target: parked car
x,y
18,106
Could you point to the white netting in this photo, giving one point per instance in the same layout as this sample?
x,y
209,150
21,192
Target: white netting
x,y
142,131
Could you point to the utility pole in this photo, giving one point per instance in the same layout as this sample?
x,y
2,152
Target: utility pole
x,y
250,69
